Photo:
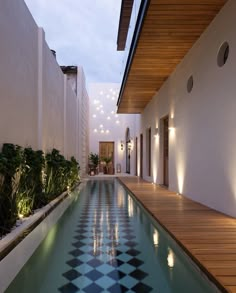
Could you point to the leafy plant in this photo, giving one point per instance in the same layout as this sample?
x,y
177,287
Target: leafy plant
x,y
60,173
10,172
107,160
29,180
30,193
94,158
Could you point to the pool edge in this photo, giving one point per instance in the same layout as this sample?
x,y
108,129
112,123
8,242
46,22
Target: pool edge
x,y
13,262
196,262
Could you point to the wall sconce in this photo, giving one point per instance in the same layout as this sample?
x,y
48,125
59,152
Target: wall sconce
x,y
121,145
171,124
156,132
129,145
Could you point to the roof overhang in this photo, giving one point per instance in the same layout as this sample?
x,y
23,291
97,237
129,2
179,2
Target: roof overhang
x,y
125,15
165,31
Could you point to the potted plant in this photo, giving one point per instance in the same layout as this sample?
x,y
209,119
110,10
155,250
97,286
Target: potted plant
x,y
94,161
106,160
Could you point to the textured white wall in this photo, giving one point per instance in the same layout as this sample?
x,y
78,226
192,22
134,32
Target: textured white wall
x,y
71,112
38,107
53,102
103,98
83,122
18,68
202,157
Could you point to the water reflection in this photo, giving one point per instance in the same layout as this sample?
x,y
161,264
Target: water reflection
x,y
155,238
130,206
170,258
120,197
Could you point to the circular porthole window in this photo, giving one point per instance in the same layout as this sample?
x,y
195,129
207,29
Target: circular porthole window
x,y
223,54
190,84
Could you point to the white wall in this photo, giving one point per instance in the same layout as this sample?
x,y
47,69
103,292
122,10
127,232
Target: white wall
x,y
103,98
83,128
18,59
202,157
53,102
71,112
38,106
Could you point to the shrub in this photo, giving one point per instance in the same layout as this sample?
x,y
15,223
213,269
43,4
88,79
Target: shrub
x,y
29,180
10,172
30,194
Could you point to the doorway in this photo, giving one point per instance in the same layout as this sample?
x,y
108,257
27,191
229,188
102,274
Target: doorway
x,y
106,155
127,150
141,155
136,156
166,151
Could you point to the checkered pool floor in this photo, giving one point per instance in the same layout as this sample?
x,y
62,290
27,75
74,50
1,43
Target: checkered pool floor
x,y
104,256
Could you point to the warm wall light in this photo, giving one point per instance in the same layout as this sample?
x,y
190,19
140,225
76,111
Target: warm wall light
x,y
156,132
171,124
129,145
122,145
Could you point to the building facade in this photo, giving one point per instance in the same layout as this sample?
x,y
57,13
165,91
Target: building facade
x,y
40,107
187,135
111,134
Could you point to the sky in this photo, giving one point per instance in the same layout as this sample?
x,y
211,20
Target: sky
x,y
84,33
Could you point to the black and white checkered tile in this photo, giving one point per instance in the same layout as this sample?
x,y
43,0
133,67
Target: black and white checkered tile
x,y
104,255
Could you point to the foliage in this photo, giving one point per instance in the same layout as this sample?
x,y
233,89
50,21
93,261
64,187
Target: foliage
x,y
29,180
107,160
94,158
10,171
30,193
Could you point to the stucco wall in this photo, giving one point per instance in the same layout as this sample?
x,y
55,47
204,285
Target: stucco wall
x,y
104,97
38,107
53,102
71,112
83,128
18,59
202,157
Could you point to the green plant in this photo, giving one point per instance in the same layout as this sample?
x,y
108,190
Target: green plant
x,y
29,180
60,173
30,194
107,160
94,158
10,171
55,180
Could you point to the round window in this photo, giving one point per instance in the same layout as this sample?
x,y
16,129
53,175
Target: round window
x,y
223,54
190,84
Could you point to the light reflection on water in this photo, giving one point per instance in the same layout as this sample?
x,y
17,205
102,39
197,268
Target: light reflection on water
x,y
107,207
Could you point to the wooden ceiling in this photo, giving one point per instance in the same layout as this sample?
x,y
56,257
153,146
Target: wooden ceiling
x,y
169,29
125,14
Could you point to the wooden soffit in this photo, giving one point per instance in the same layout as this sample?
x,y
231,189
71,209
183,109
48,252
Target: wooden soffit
x,y
125,15
169,29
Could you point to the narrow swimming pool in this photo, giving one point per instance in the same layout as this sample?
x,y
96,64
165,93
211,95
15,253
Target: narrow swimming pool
x,y
106,242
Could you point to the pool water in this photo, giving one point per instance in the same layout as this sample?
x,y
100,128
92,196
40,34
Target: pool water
x,y
106,242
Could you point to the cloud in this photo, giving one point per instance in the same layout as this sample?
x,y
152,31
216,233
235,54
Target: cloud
x,y
83,33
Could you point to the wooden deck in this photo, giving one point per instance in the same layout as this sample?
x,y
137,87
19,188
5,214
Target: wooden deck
x,y
209,237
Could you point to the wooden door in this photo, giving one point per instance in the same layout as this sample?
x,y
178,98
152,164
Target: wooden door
x,y
106,150
136,156
166,151
149,142
141,155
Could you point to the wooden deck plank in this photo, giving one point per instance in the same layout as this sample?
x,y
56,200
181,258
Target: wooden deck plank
x,y
208,236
